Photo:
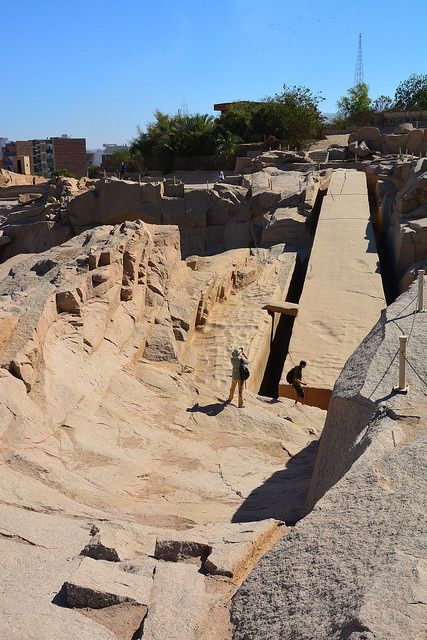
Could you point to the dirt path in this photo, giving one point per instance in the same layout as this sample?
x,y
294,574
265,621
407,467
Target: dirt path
x,y
341,139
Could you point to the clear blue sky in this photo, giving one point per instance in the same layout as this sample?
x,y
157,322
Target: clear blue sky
x,y
98,68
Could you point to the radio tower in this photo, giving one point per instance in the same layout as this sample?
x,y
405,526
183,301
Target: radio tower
x,y
358,73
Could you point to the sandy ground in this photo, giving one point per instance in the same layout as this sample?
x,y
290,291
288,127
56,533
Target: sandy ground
x,y
341,138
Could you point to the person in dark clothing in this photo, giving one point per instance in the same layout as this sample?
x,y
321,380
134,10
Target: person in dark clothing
x,y
122,171
297,382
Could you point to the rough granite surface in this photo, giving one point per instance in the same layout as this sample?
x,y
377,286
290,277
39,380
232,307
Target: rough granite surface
x,y
355,567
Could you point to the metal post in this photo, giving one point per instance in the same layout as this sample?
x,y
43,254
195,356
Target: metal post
x,y
207,185
421,308
402,388
139,179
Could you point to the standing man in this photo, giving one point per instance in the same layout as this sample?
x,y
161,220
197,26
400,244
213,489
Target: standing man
x,y
297,382
238,356
122,171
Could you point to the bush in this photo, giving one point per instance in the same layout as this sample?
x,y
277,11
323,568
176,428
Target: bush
x,y
93,172
64,173
411,94
356,107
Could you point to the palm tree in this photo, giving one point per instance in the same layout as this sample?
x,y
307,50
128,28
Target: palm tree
x,y
227,143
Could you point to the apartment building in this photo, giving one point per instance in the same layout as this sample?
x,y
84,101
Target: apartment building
x,y
70,153
49,154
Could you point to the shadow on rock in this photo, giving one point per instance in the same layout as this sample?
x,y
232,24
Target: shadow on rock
x,y
208,409
282,496
60,599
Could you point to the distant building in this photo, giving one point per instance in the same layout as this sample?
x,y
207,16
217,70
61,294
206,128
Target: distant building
x,y
48,155
3,141
94,157
108,151
9,151
70,153
21,164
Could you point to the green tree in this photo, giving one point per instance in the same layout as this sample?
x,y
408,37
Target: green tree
x,y
194,135
356,107
411,94
176,135
298,114
134,161
227,144
64,173
93,172
237,119
382,103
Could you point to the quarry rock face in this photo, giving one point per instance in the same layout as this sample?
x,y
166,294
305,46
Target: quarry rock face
x,y
117,440
355,566
134,499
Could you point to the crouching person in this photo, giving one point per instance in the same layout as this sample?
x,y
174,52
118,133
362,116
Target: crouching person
x,y
238,358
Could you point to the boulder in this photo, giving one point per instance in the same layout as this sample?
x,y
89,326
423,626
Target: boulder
x,y
413,193
177,612
224,549
364,134
395,143
280,158
28,198
285,225
411,245
262,201
228,203
359,149
415,141
69,301
404,127
111,544
97,584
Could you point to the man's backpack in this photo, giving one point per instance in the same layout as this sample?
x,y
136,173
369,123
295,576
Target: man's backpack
x,y
290,375
244,371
